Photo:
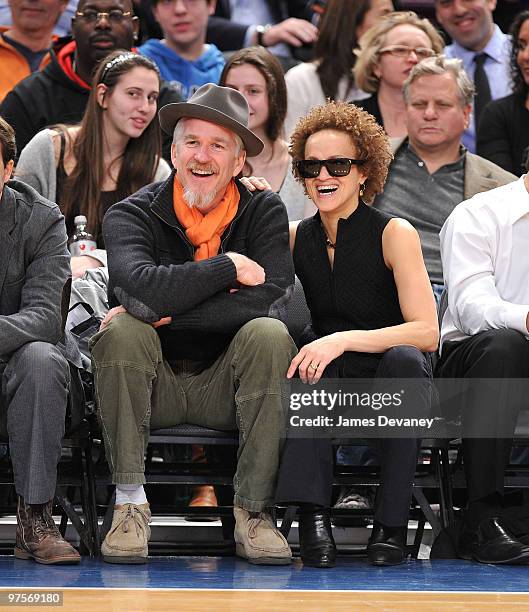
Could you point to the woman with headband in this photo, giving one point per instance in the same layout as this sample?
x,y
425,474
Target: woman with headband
x,y
113,152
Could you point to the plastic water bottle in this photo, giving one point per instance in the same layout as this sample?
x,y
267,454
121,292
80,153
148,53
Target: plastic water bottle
x,y
82,242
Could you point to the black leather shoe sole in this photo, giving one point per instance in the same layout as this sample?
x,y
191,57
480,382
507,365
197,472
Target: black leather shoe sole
x,y
521,559
320,561
385,554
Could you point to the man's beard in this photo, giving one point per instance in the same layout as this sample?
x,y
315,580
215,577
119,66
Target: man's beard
x,y
195,199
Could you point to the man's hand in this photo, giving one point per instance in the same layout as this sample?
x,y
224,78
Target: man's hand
x,y
80,264
110,315
121,309
292,31
256,183
249,272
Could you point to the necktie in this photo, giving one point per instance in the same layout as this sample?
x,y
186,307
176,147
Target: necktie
x,y
481,83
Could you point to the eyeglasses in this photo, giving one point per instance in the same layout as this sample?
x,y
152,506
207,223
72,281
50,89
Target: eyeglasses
x,y
404,51
114,16
338,166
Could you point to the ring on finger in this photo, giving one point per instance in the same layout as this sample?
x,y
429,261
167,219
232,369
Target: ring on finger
x,y
312,366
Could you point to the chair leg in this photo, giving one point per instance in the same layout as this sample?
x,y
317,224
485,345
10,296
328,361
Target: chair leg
x,y
107,520
224,496
426,510
91,504
442,472
418,537
288,517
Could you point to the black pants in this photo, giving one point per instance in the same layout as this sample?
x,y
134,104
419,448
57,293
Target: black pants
x,y
306,471
497,353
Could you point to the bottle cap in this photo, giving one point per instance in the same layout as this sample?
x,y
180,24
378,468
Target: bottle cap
x,y
79,220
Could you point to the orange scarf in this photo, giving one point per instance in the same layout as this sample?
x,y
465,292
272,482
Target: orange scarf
x,y
204,231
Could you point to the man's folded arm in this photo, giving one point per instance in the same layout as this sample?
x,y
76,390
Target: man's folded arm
x,y
150,291
268,245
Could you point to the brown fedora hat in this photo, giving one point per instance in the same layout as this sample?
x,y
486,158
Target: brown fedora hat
x,y
222,105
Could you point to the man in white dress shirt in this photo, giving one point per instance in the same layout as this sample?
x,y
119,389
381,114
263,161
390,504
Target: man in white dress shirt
x,y
484,335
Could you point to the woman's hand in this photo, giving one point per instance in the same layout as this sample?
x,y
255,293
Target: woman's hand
x,y
313,358
255,183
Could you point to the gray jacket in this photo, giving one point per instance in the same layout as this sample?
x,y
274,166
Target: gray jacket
x,y
34,265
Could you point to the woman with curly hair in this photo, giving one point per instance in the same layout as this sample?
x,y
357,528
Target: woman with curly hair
x,y
373,316
387,53
503,130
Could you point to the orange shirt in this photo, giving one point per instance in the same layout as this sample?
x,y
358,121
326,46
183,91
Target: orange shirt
x,y
13,66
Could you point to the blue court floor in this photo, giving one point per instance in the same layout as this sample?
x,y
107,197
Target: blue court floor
x,y
231,573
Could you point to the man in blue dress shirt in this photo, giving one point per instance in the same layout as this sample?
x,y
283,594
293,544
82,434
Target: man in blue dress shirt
x,y
482,46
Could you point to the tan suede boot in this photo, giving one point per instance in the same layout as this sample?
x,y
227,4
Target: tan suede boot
x,y
258,540
127,540
38,538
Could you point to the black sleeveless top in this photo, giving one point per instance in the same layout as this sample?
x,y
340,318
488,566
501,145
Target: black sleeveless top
x,y
106,198
359,292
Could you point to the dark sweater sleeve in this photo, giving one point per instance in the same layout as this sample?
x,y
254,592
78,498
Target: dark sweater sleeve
x,y
493,142
147,290
268,245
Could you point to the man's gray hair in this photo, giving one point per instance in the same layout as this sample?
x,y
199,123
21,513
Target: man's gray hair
x,y
442,65
178,134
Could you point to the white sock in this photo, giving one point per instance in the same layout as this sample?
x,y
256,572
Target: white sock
x,y
130,494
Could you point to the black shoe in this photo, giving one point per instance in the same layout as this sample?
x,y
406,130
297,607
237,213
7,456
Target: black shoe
x,y
316,543
466,542
387,545
496,545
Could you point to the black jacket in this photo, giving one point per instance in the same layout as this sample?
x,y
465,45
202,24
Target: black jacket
x,y
503,133
49,96
153,273
229,35
371,106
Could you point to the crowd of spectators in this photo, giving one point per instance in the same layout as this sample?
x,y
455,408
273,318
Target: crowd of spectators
x,y
189,133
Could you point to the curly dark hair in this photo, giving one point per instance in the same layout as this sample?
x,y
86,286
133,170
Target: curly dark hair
x,y
369,139
519,86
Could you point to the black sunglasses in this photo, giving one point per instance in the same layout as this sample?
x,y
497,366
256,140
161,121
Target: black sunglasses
x,y
338,166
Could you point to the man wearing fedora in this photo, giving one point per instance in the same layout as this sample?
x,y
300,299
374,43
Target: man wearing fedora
x,y
200,268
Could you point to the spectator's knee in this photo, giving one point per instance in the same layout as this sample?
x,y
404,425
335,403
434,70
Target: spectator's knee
x,y
125,339
269,336
406,362
40,361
